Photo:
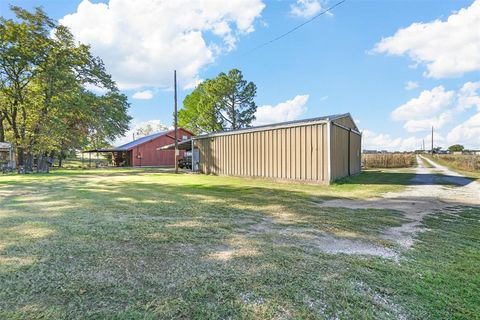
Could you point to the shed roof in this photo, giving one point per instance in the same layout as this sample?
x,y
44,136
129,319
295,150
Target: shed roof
x,y
277,125
5,146
139,141
132,144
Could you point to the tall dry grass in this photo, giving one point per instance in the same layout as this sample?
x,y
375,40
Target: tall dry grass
x,y
461,161
388,160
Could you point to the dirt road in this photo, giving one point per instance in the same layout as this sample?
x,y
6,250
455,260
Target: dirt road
x,y
433,188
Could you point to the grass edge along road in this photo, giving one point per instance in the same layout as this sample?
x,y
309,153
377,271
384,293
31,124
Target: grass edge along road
x,y
442,160
143,244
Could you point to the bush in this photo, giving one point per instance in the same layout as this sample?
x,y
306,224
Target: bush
x,y
388,160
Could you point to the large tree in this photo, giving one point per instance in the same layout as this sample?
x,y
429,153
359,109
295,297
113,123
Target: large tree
x,y
43,78
223,103
456,148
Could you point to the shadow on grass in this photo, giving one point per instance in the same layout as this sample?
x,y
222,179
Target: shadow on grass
x,y
75,248
137,250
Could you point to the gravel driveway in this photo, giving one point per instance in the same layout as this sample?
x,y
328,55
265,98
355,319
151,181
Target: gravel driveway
x,y
431,190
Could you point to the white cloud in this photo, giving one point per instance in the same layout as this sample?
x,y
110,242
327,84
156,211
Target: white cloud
x,y
142,42
305,8
379,141
143,95
427,104
467,133
468,96
437,107
284,111
448,48
410,85
437,122
382,141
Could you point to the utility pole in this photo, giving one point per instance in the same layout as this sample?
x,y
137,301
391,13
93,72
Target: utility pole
x,y
432,140
175,117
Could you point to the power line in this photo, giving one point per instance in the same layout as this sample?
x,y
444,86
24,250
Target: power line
x,y
297,27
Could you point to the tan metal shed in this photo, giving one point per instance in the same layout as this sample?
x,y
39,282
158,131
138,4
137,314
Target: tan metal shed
x,y
319,150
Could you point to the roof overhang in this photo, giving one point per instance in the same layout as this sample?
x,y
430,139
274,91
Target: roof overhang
x,y
103,150
5,146
182,145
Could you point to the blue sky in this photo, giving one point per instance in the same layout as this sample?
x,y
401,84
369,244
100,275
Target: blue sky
x,y
337,63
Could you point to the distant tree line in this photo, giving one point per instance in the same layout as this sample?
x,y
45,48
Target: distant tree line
x,y
46,107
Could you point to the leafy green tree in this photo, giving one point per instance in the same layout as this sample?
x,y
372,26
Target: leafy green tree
x,y
201,112
43,80
223,103
234,96
456,148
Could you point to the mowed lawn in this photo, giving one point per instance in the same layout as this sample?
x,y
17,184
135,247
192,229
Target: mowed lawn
x,y
143,244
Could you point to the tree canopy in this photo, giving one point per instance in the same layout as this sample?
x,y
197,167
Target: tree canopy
x,y
45,106
223,103
456,148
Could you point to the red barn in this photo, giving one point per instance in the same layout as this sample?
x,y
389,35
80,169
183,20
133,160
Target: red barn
x,y
143,151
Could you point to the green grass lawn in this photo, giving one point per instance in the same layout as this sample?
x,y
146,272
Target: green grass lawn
x,y
143,244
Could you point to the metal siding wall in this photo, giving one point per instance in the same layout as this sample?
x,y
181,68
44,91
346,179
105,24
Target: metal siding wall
x,y
308,152
295,153
339,153
288,154
326,155
339,149
324,146
315,163
355,153
298,165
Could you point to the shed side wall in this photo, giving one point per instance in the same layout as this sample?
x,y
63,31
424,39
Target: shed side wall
x,y
296,153
355,153
340,152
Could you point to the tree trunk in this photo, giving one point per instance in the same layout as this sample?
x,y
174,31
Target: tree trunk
x,y
28,163
60,158
20,156
2,130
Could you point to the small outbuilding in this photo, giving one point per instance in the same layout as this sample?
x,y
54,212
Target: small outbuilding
x,y
318,150
7,157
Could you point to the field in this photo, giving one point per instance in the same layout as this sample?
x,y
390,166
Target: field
x,y
146,244
467,164
388,160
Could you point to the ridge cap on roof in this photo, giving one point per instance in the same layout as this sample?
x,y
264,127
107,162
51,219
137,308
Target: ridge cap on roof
x,y
292,122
